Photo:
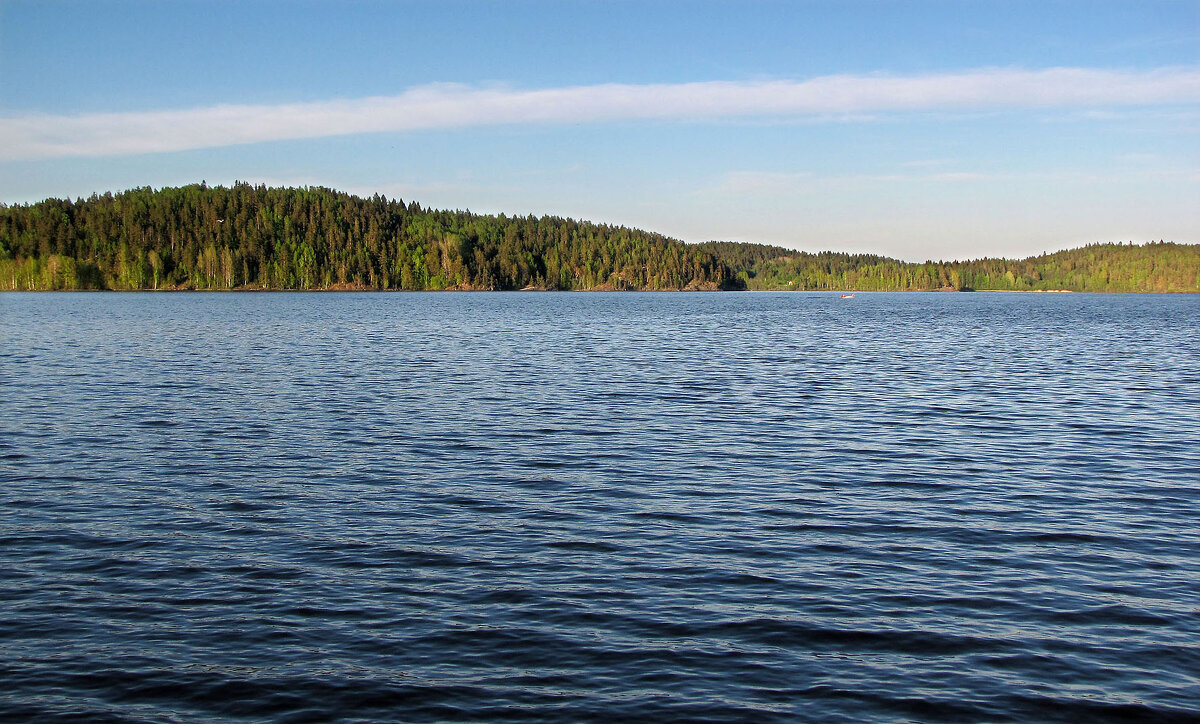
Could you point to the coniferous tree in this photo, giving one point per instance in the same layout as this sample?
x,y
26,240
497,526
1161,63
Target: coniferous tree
x,y
202,237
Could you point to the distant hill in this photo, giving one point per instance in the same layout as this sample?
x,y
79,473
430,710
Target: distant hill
x,y
255,237
1152,267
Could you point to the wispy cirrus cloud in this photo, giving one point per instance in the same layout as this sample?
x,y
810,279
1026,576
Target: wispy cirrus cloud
x,y
758,183
443,106
1135,168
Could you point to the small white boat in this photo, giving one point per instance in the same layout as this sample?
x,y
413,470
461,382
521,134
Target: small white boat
x,y
847,296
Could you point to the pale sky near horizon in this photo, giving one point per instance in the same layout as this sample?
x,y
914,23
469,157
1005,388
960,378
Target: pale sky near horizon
x,y
921,130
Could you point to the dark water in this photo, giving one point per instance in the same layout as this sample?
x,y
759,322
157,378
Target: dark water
x,y
739,507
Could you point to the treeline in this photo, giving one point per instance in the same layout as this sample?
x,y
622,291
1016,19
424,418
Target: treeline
x,y
255,237
1153,267
201,237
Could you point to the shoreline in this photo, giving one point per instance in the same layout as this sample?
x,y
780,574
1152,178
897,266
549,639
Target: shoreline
x,y
330,290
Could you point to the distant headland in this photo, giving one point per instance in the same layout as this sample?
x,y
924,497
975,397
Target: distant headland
x,y
260,238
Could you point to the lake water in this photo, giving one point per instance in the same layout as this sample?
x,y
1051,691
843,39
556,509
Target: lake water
x,y
724,507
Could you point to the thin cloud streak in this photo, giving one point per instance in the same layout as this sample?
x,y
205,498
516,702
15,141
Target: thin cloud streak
x,y
446,106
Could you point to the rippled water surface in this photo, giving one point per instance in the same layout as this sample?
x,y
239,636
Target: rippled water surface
x,y
764,507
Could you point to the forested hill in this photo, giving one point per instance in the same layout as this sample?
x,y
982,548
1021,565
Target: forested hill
x,y
1153,267
201,237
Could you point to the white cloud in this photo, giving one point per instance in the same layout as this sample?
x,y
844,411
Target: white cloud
x,y
930,163
445,106
755,183
960,176
748,184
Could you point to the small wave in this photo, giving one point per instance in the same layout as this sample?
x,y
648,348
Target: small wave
x,y
1109,615
585,546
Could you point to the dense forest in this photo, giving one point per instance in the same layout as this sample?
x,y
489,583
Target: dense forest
x,y
201,237
1153,267
255,237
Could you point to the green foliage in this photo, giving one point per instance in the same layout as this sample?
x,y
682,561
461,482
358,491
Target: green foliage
x,y
201,237
197,237
1154,267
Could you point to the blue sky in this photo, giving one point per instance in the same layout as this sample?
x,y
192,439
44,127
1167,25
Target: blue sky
x,y
919,130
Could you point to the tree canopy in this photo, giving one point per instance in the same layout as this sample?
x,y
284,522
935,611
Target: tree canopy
x,y
1152,267
246,236
201,237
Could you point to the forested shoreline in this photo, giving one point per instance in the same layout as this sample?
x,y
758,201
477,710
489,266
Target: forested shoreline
x,y
255,237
